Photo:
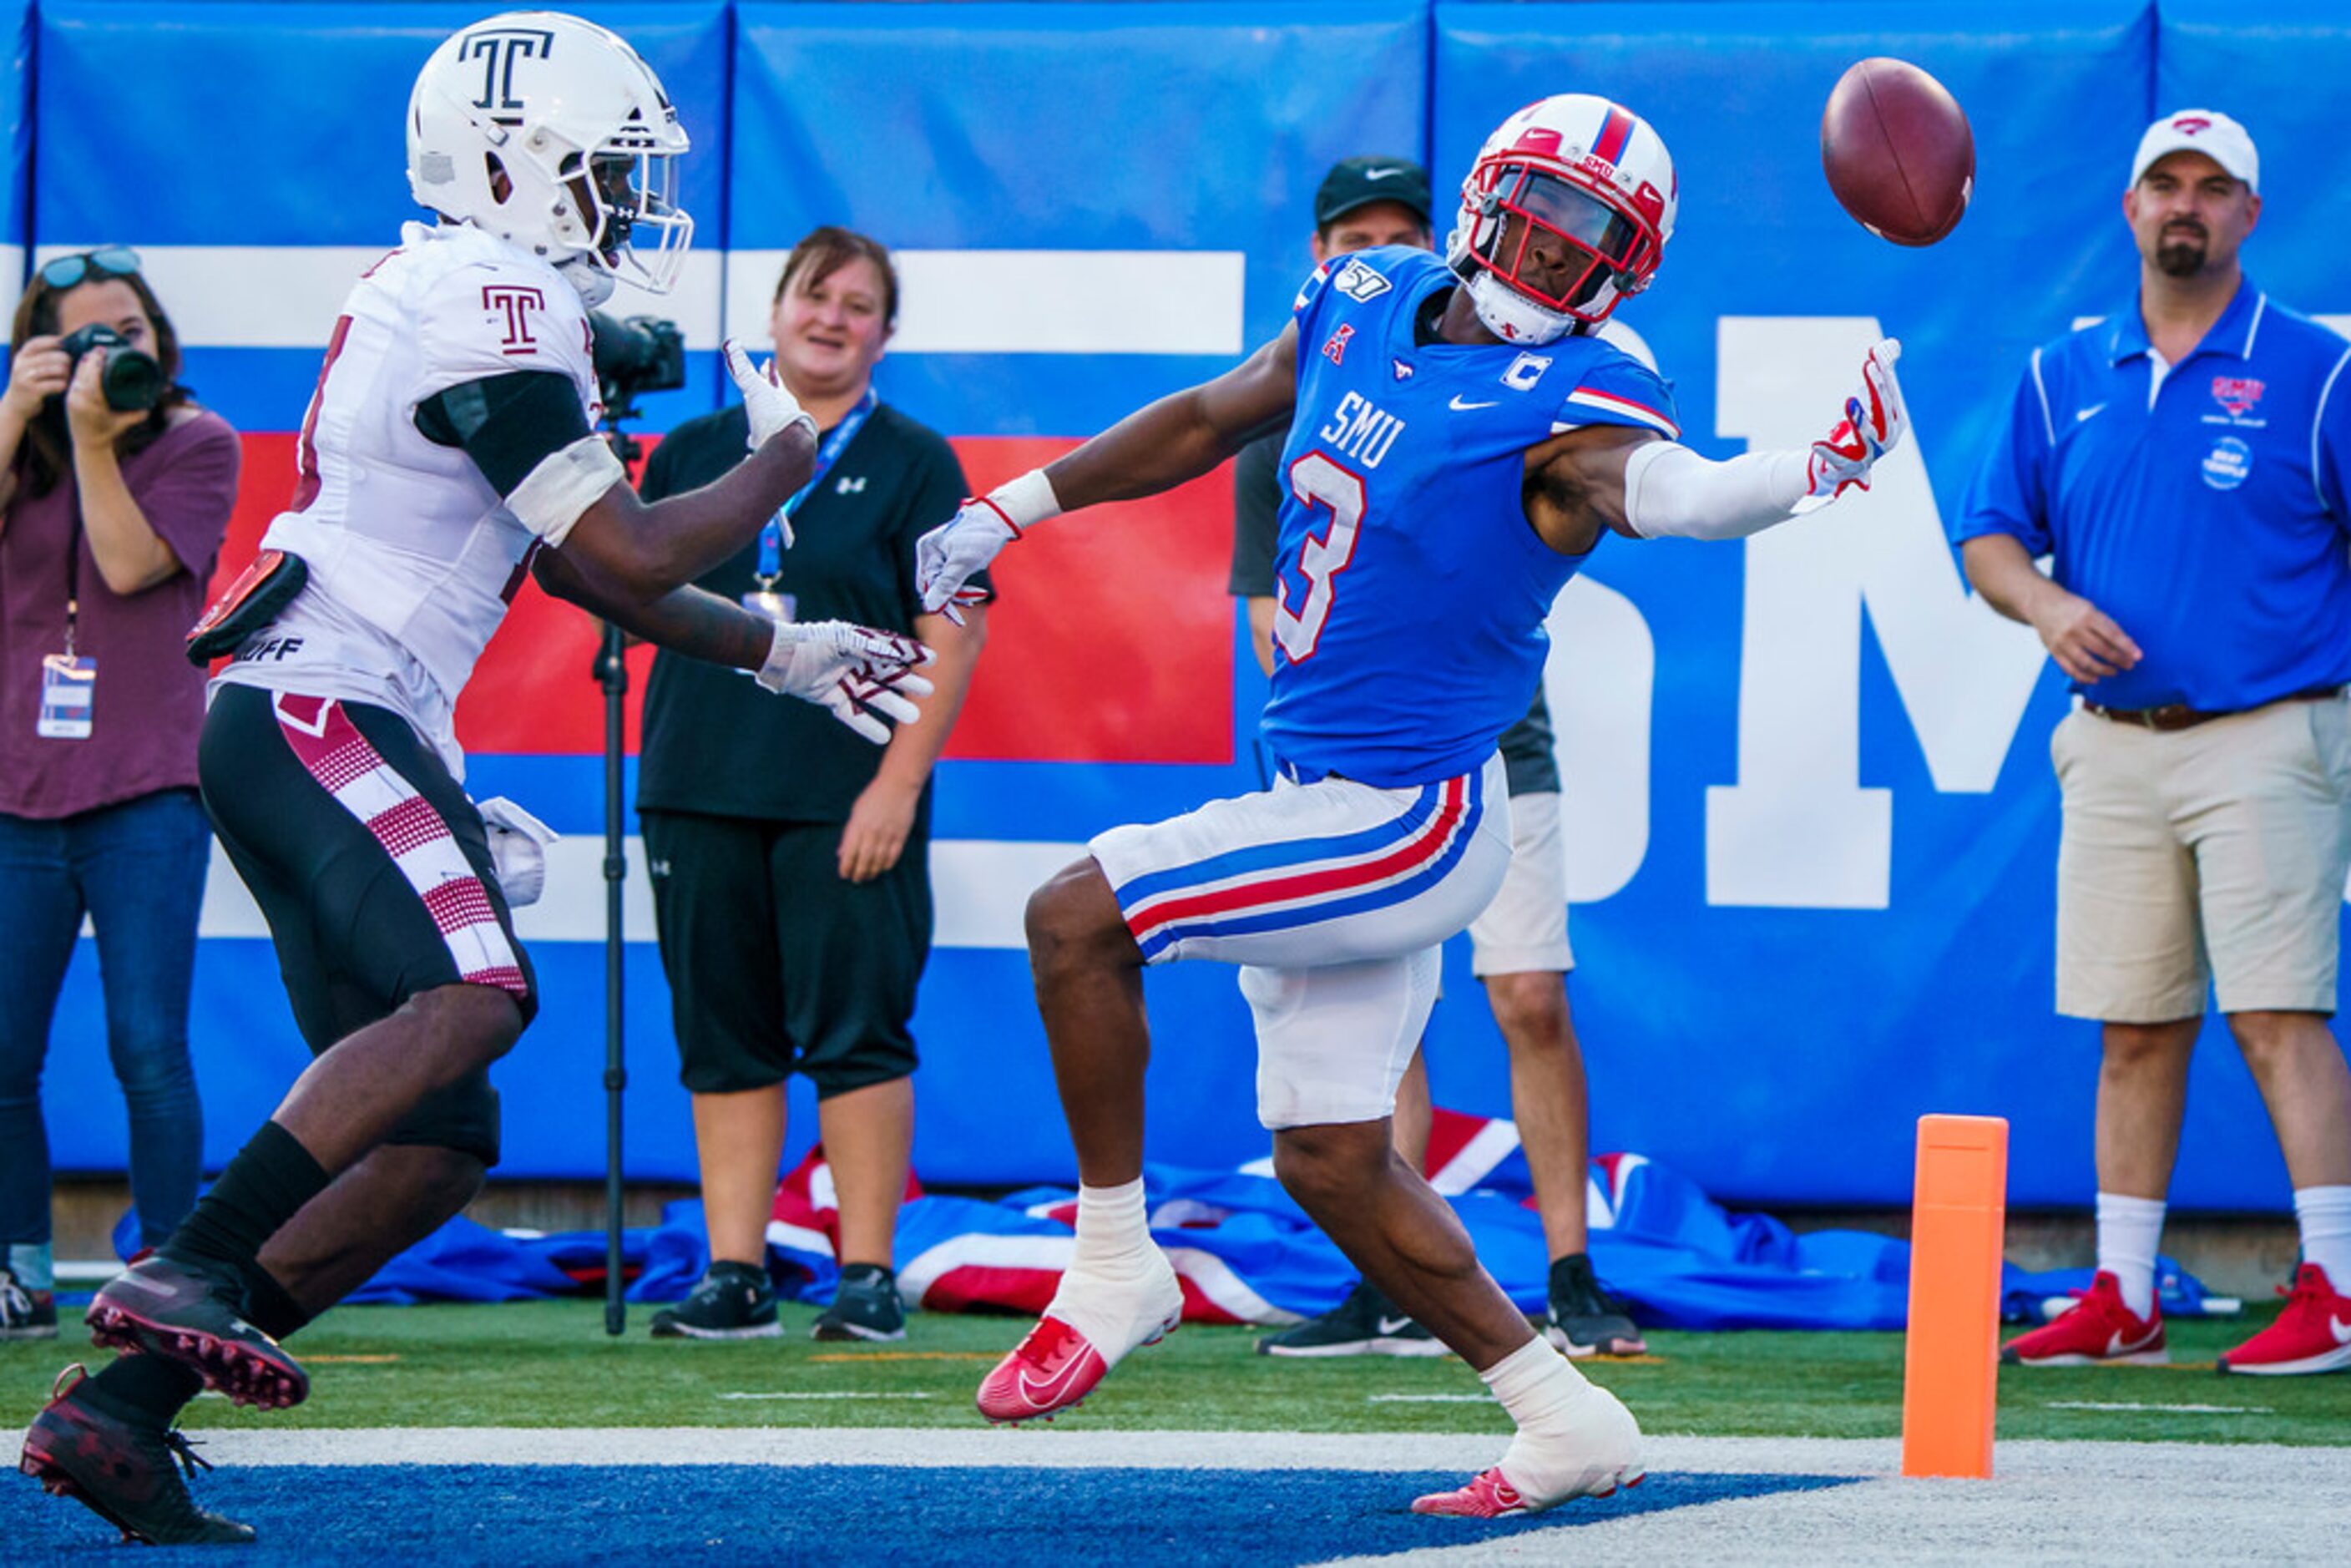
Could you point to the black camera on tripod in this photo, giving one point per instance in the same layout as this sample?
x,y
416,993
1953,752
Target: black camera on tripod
x,y
632,357
132,379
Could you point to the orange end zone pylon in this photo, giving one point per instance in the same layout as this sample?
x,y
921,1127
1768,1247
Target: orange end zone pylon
x,y
1951,1366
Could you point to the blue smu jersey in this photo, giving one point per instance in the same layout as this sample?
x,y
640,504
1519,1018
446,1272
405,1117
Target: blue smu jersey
x,y
1410,590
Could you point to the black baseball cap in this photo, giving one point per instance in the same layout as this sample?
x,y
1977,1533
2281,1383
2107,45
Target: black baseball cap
x,y
1359,182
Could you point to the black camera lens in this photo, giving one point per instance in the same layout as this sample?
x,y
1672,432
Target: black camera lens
x,y
132,381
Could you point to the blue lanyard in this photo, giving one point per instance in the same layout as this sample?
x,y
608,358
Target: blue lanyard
x,y
771,537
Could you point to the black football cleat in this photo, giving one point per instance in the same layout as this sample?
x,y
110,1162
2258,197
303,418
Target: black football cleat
x,y
162,1308
128,1472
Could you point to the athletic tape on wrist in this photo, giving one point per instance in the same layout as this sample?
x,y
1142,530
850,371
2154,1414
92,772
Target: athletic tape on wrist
x,y
1026,501
553,495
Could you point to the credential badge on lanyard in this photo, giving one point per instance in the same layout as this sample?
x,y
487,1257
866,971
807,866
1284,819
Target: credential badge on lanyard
x,y
69,684
764,598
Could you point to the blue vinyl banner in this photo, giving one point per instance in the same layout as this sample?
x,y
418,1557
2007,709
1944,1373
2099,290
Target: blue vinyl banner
x,y
1812,826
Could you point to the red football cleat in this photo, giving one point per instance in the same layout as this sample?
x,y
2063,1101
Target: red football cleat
x,y
1053,1370
2313,1334
2096,1331
1490,1495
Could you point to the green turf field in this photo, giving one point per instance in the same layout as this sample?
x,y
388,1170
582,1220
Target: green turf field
x,y
551,1365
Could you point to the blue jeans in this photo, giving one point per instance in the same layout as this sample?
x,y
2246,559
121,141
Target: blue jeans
x,y
137,870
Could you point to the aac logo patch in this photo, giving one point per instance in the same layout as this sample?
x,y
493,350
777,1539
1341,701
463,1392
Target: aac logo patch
x,y
2229,464
1335,347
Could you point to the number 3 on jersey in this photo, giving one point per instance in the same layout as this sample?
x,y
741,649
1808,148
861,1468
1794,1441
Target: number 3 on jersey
x,y
1317,481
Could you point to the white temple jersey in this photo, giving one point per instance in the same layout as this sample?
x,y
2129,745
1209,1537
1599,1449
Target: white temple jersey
x,y
413,557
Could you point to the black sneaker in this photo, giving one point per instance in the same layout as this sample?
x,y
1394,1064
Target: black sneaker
x,y
865,1307
25,1314
1365,1323
122,1471
1585,1320
733,1301
170,1309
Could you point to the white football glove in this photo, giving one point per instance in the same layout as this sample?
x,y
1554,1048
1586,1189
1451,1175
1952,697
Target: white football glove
x,y
772,408
1872,426
947,557
858,674
959,550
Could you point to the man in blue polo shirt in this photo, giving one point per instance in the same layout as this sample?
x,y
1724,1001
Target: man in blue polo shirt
x,y
2183,464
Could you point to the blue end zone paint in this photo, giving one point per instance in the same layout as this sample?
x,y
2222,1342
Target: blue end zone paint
x,y
515,1516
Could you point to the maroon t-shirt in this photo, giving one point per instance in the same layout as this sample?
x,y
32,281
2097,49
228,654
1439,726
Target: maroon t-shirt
x,y
149,701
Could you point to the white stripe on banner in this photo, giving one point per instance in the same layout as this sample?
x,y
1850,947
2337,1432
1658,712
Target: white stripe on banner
x,y
979,887
1036,301
957,301
288,297
12,279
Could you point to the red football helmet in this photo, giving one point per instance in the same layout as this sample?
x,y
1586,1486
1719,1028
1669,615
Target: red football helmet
x,y
1566,210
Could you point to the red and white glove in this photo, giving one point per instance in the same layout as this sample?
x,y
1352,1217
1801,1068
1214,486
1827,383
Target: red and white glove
x,y
858,674
949,555
1872,426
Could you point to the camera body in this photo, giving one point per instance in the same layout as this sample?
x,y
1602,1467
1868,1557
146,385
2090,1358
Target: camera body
x,y
641,354
132,379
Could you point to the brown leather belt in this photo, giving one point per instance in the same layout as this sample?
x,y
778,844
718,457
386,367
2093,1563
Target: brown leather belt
x,y
2179,715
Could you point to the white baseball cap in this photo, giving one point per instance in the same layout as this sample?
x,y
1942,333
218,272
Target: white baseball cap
x,y
2205,130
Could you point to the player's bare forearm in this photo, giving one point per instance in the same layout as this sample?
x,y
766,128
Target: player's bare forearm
x,y
1184,434
689,619
643,549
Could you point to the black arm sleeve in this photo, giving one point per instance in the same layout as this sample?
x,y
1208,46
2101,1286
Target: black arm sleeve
x,y
1257,501
508,425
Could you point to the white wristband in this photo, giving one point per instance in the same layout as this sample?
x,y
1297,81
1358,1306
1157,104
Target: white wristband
x,y
1026,501
1671,491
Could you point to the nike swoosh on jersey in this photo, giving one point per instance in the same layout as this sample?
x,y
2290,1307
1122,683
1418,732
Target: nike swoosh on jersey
x,y
2083,415
1459,406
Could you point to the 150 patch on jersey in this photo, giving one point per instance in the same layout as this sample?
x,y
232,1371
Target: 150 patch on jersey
x,y
1360,283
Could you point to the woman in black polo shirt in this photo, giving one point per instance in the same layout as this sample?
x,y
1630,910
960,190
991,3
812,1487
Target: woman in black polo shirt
x,y
790,859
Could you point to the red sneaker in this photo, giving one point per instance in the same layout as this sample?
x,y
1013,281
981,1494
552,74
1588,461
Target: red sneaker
x,y
1490,1495
2313,1334
1050,1371
2096,1331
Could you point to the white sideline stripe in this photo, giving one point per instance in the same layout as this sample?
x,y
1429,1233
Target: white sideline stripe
x,y
844,1394
955,301
1429,1398
981,887
2167,1409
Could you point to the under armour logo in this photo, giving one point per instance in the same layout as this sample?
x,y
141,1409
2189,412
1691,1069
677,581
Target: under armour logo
x,y
514,302
849,486
499,48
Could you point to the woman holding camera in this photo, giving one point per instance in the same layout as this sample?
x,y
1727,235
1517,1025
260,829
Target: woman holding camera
x,y
115,494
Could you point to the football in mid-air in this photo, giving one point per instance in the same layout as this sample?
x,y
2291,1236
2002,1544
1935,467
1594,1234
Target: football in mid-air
x,y
1897,150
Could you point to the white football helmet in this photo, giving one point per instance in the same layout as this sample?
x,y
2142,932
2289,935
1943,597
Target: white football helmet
x,y
1566,210
582,133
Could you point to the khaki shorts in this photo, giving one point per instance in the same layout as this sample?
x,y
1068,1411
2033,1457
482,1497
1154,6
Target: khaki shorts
x,y
2217,851
1524,930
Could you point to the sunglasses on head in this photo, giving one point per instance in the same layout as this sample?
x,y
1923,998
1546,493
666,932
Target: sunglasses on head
x,y
107,261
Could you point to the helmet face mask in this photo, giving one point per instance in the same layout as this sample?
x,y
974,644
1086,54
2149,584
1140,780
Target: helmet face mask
x,y
551,132
1565,212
